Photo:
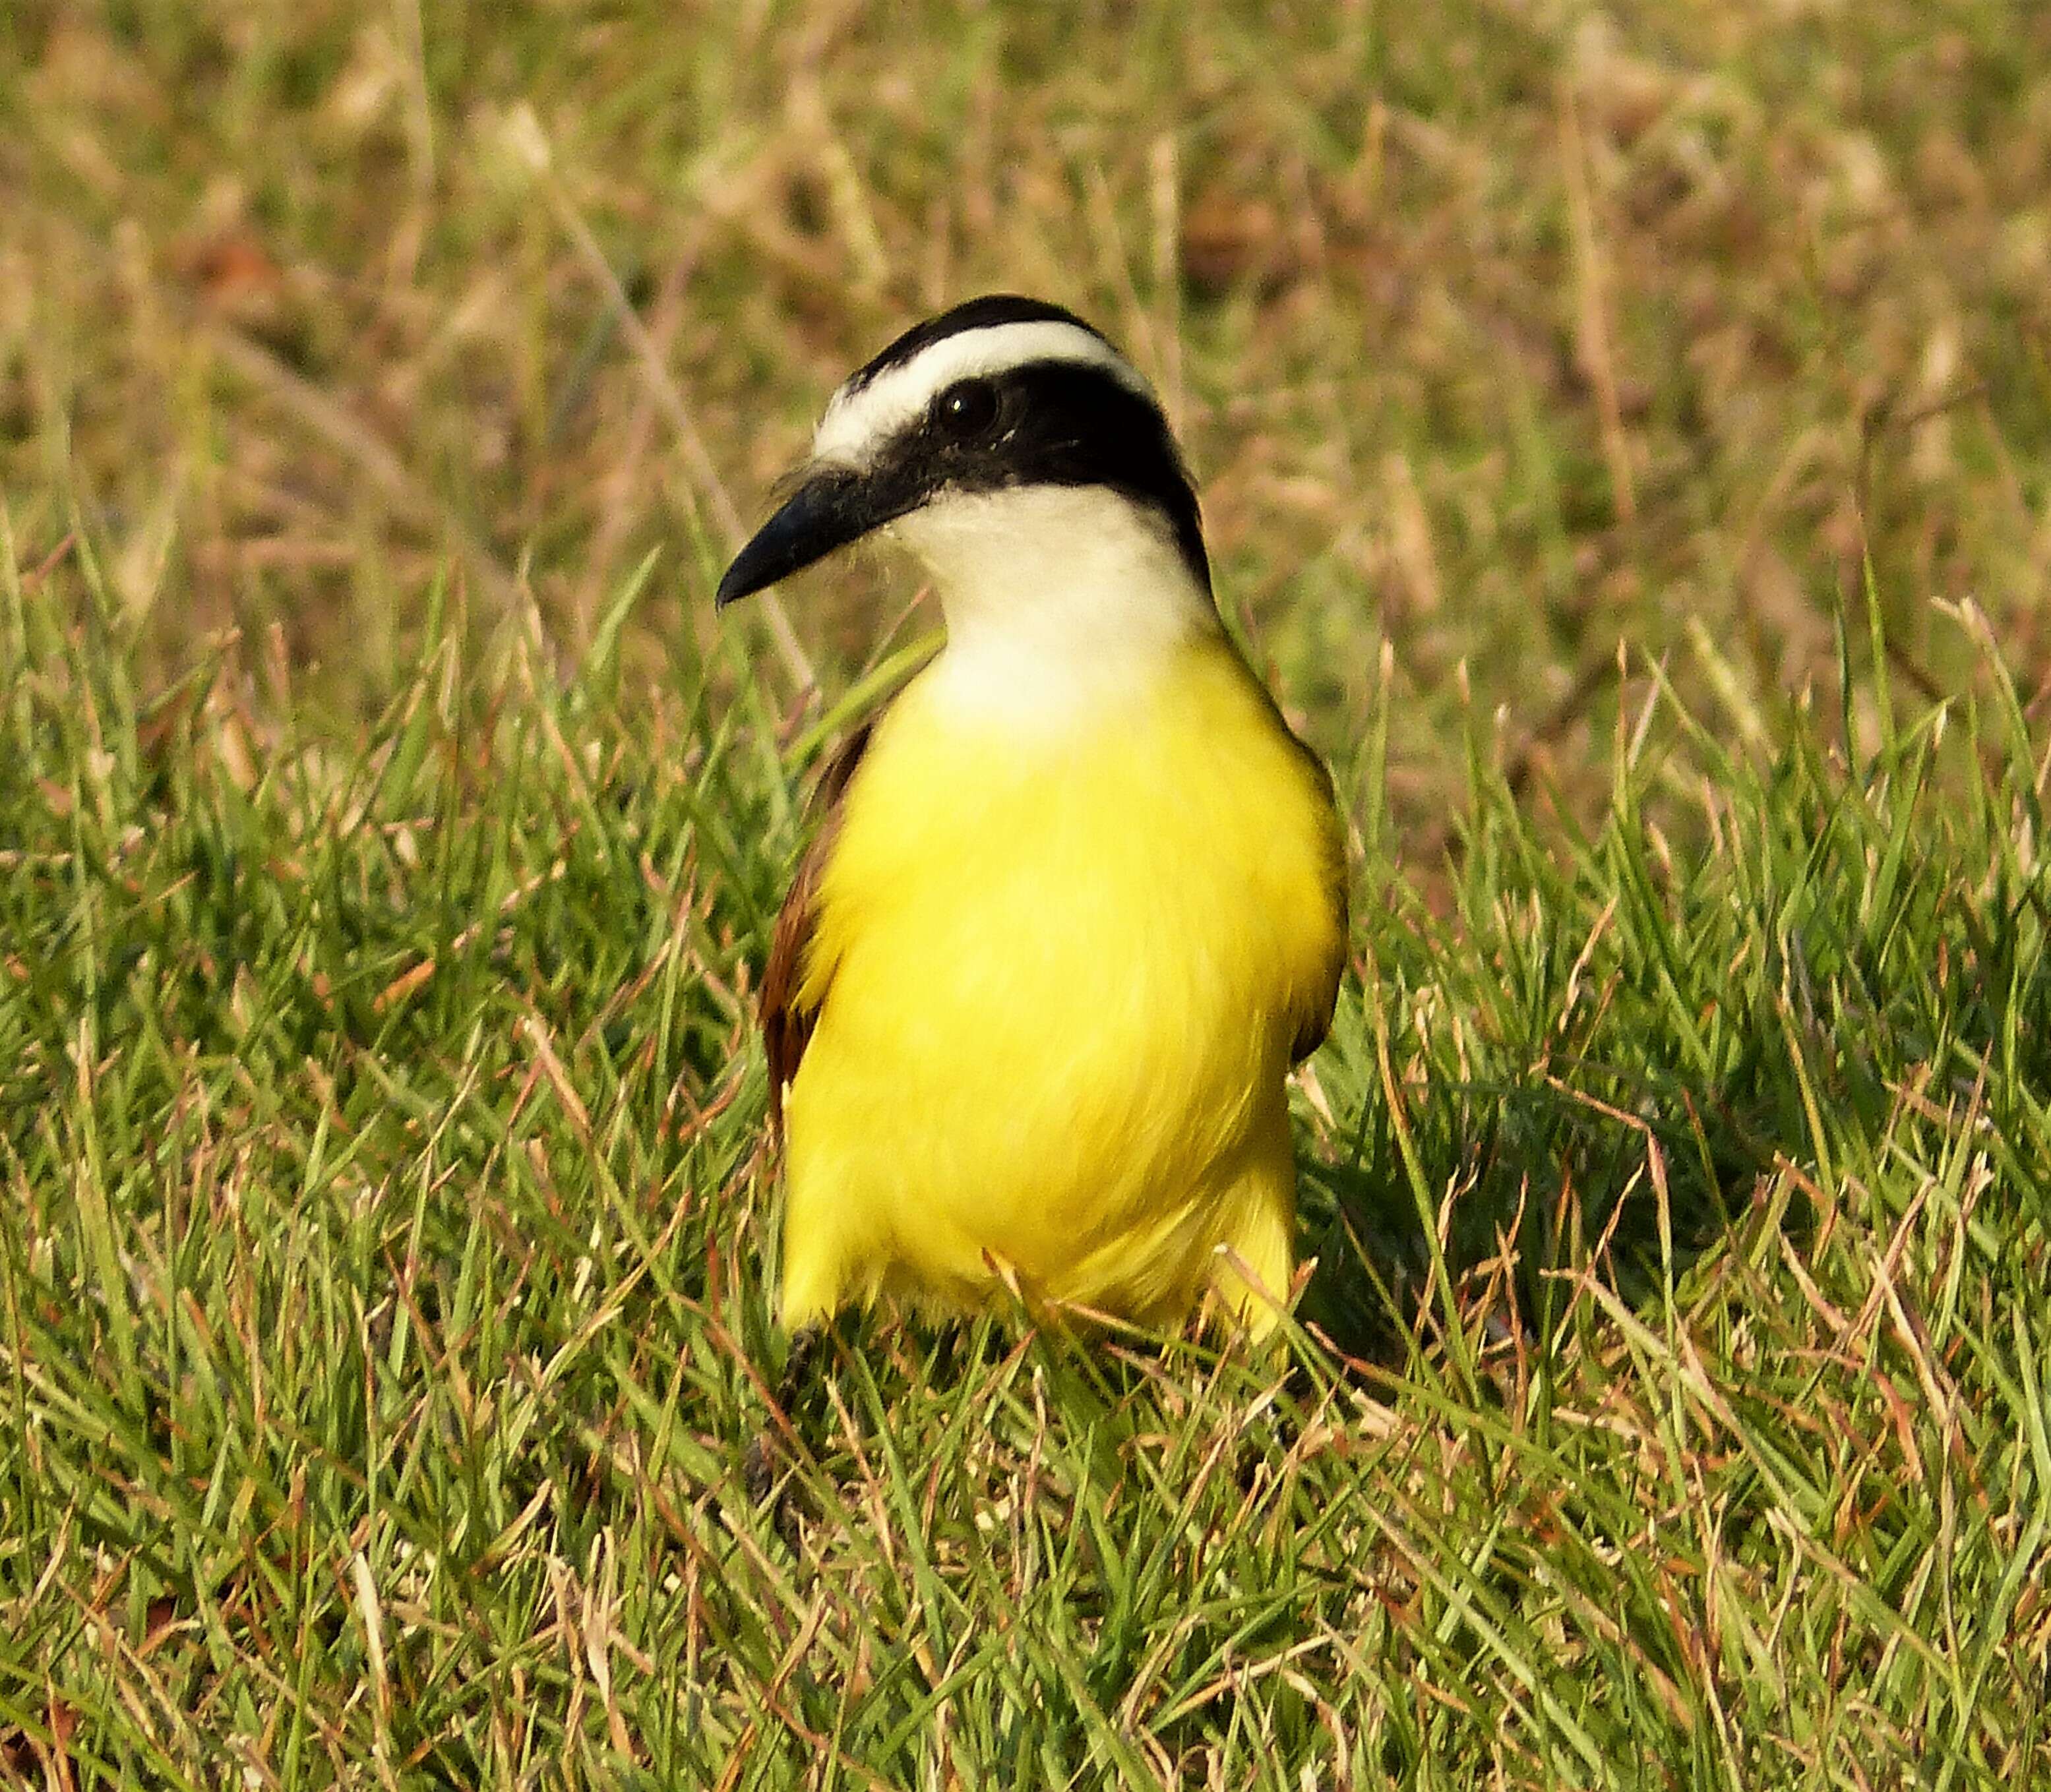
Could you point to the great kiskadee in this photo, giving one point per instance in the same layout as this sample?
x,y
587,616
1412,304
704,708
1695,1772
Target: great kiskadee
x,y
1076,904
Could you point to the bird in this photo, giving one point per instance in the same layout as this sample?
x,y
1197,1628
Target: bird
x,y
1075,903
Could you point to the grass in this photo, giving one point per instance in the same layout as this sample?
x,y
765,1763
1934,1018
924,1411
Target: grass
x,y
388,842
384,1311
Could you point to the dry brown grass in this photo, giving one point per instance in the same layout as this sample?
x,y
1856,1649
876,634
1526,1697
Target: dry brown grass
x,y
1506,335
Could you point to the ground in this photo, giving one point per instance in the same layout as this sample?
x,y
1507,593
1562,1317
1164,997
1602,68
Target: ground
x,y
1623,440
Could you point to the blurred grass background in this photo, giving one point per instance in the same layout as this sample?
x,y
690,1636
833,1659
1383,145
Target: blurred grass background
x,y
387,842
1505,333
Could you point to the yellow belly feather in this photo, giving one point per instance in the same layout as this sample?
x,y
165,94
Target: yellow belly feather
x,y
1057,981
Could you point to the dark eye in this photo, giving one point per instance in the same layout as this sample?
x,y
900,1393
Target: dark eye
x,y
966,410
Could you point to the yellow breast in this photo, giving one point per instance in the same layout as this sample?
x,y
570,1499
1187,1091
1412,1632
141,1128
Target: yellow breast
x,y
1057,972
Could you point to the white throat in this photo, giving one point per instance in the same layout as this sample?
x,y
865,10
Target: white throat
x,y
1059,599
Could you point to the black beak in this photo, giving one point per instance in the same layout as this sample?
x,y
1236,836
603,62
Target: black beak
x,y
833,507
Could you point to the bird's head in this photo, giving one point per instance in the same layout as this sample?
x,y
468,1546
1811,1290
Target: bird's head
x,y
1017,453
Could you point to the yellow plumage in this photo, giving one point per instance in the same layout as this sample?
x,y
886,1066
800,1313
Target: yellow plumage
x,y
1057,976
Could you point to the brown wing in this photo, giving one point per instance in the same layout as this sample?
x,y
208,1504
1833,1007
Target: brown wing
x,y
786,1030
1317,1024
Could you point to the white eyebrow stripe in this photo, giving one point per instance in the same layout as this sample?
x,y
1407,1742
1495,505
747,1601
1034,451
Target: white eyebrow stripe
x,y
858,423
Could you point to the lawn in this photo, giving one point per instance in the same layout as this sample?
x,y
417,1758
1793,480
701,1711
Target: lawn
x,y
1626,444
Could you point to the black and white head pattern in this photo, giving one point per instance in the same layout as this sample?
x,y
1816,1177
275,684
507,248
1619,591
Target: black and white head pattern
x,y
1002,393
